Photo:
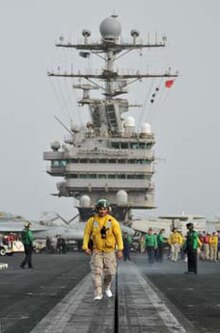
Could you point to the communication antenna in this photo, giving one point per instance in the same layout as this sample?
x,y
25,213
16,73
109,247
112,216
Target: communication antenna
x,y
62,124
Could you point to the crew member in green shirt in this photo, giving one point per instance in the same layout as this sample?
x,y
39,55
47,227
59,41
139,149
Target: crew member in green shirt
x,y
160,243
151,245
190,248
27,240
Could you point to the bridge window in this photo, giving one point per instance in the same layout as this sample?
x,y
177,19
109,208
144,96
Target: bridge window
x,y
115,145
83,176
140,177
57,163
142,145
93,176
121,176
141,161
102,176
69,176
124,145
130,176
134,145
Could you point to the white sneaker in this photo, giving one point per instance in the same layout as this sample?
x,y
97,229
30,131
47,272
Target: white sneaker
x,y
98,297
108,292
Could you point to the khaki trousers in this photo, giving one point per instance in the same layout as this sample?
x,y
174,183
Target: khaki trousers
x,y
213,252
103,266
175,249
206,251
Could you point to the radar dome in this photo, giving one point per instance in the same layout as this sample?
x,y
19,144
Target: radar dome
x,y
55,145
74,128
122,197
129,122
110,28
146,128
85,201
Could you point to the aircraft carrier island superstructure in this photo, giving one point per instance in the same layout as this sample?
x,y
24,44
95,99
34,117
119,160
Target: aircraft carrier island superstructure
x,y
108,157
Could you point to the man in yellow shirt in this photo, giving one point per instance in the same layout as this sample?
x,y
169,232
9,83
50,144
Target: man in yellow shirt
x,y
104,232
213,246
175,240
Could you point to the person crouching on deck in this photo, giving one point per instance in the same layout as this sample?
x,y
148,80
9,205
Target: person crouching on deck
x,y
104,232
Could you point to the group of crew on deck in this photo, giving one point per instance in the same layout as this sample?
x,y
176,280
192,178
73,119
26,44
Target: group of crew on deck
x,y
155,244
105,243
205,246
56,245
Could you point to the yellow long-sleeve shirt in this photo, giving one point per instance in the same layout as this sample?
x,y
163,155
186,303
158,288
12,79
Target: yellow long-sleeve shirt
x,y
213,240
175,238
113,234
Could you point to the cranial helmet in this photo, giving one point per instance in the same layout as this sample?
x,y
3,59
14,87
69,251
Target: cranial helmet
x,y
102,203
189,225
27,225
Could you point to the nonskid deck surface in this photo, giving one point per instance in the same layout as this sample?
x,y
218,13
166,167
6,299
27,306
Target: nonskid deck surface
x,y
135,307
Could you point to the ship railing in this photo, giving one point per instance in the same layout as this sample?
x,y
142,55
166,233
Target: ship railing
x,y
103,151
109,168
135,153
53,155
131,184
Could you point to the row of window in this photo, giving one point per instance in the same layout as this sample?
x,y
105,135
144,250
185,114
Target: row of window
x,y
58,163
108,176
61,163
131,145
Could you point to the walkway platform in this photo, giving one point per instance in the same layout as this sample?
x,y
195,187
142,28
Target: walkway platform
x,y
135,307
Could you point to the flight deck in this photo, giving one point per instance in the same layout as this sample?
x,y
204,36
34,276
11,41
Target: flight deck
x,y
135,307
57,296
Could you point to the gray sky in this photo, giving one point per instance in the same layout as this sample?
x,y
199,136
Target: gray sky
x,y
186,126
